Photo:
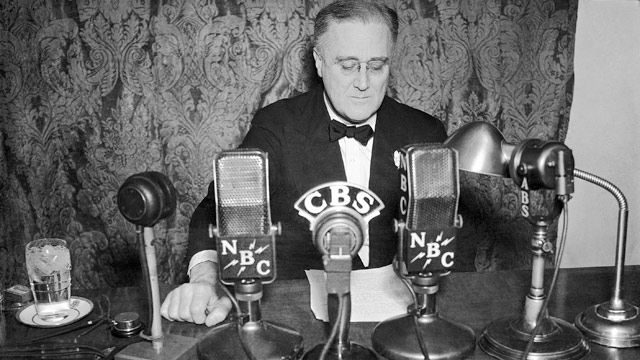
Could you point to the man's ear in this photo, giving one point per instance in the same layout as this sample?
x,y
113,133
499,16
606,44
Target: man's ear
x,y
318,61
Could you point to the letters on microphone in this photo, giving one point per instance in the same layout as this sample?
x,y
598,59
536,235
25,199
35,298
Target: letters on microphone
x,y
245,257
427,247
338,194
430,250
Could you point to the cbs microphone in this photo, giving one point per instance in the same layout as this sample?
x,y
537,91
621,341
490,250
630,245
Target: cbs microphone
x,y
245,240
427,230
339,214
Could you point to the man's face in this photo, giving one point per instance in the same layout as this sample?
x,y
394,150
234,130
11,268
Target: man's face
x,y
352,58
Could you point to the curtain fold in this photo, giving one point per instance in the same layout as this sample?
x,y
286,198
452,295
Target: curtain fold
x,y
92,92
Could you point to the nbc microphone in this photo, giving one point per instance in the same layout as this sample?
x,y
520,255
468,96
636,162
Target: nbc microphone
x,y
429,216
427,229
245,235
245,239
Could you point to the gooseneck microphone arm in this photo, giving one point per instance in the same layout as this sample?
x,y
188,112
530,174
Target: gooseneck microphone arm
x,y
621,239
615,323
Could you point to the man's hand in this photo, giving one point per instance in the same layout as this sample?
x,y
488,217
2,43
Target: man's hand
x,y
197,301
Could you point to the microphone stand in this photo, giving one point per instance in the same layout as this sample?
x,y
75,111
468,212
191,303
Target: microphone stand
x,y
148,259
249,336
509,338
534,334
337,264
615,323
164,346
421,333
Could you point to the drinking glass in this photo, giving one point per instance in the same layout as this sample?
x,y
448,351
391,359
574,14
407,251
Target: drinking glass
x,y
49,268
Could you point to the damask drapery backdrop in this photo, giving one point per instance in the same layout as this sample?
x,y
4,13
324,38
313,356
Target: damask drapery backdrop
x,y
94,91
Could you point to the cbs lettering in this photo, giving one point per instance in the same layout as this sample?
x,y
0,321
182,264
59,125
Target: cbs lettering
x,y
339,195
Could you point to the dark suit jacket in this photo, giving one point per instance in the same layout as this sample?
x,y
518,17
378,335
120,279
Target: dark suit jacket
x,y
295,134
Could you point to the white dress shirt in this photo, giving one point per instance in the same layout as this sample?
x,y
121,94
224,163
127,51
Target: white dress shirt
x,y
357,163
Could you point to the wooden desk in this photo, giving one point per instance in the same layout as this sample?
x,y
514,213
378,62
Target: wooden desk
x,y
474,299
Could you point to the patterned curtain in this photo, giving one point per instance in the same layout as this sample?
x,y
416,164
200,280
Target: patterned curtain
x,y
93,91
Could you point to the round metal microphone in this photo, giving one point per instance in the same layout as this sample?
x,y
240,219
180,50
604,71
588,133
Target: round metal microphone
x,y
146,198
344,219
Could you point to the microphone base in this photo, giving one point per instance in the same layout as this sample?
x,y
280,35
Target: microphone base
x,y
264,340
355,352
395,338
611,327
174,347
557,340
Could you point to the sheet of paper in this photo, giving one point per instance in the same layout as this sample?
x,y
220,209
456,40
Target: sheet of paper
x,y
376,295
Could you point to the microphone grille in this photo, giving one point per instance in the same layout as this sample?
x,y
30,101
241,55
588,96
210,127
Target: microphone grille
x,y
242,192
433,186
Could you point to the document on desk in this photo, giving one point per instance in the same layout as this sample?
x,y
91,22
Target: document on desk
x,y
376,294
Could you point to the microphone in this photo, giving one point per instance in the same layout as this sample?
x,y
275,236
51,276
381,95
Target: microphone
x,y
427,230
245,236
245,239
144,199
339,214
430,188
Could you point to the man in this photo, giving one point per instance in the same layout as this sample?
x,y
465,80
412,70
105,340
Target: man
x,y
354,41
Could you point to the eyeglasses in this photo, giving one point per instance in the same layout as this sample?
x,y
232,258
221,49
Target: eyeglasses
x,y
352,66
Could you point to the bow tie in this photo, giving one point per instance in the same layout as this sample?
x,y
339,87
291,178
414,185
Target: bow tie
x,y
337,130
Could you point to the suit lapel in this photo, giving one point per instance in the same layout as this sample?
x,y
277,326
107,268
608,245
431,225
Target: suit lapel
x,y
384,175
322,157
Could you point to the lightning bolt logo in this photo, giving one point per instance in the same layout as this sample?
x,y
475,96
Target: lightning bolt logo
x,y
447,241
261,249
242,269
426,263
231,263
419,256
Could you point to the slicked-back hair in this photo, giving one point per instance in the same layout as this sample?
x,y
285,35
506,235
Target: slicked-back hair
x,y
363,10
